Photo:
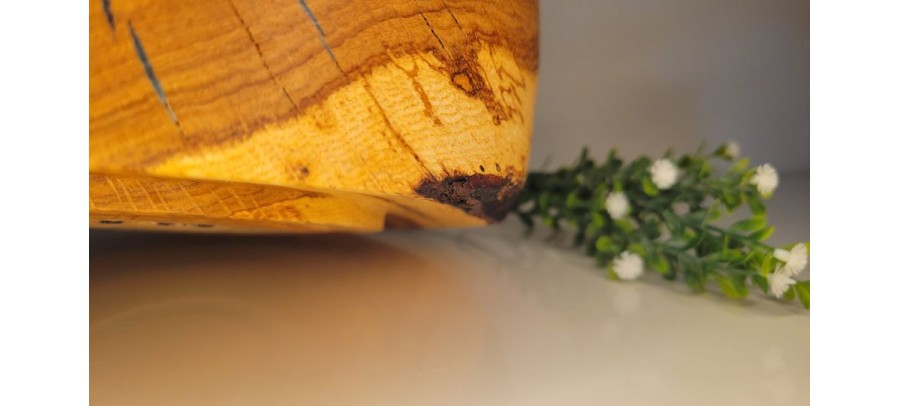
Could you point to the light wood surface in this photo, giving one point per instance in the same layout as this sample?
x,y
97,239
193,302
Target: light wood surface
x,y
308,115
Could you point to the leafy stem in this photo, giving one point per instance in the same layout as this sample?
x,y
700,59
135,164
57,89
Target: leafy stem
x,y
662,214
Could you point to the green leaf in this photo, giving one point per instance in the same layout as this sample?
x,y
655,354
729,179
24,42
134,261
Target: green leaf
x,y
606,245
756,205
690,263
762,235
732,198
612,274
694,240
768,265
732,287
548,221
572,201
745,179
583,158
638,248
694,281
697,217
740,165
602,259
754,259
648,186
714,257
624,225
789,295
599,194
597,220
659,262
751,224
732,256
709,245
673,222
720,152
713,214
671,275
650,229
802,288
705,169
544,201
761,282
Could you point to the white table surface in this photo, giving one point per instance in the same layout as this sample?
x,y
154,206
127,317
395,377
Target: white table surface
x,y
481,316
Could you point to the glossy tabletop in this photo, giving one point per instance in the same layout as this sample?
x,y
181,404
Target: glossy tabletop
x,y
479,316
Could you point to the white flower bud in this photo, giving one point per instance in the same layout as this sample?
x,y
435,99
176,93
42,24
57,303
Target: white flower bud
x,y
617,205
779,282
628,266
732,150
794,260
663,173
765,179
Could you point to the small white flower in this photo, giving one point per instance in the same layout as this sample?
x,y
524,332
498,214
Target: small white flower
x,y
617,205
663,173
779,282
628,266
732,150
765,179
794,260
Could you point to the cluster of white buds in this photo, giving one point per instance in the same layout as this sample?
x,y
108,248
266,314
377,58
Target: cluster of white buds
x,y
663,215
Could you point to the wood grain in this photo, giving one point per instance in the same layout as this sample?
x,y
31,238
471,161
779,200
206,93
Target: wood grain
x,y
418,112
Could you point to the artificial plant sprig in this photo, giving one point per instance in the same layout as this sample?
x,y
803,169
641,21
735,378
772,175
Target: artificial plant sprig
x,y
663,214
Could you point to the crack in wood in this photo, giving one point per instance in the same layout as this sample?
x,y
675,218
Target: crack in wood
x,y
322,39
449,10
151,75
110,18
261,58
432,29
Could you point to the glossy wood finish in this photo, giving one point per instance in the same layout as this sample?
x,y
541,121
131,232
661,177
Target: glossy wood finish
x,y
415,111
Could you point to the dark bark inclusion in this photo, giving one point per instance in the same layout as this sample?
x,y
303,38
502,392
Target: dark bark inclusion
x,y
486,196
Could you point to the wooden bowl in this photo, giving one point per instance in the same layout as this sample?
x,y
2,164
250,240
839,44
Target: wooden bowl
x,y
309,115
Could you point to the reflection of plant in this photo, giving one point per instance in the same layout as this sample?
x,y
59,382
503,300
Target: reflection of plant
x,y
661,213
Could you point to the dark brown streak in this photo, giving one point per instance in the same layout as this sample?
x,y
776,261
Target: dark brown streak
x,y
432,31
261,58
431,28
524,51
384,117
449,10
426,102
